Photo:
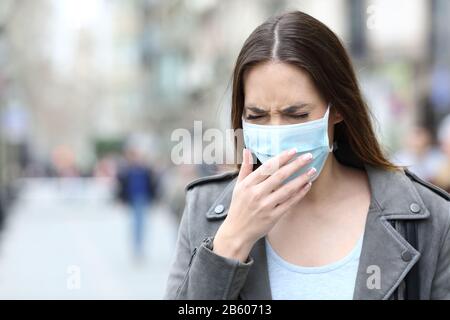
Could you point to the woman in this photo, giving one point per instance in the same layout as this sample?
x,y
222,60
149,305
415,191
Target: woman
x,y
312,219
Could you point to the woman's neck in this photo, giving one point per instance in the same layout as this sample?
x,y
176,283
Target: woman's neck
x,y
326,184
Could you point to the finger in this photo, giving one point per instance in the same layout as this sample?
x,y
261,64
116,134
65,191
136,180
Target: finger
x,y
285,206
290,189
247,165
271,166
276,180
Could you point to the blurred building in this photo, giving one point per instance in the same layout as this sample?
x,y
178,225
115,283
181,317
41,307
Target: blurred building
x,y
82,73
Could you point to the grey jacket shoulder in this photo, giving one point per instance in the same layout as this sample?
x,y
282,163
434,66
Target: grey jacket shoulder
x,y
437,202
436,190
217,178
209,197
435,199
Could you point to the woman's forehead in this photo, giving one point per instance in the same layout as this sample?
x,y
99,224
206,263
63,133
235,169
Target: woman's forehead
x,y
279,85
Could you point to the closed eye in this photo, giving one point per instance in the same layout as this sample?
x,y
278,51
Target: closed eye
x,y
253,117
299,116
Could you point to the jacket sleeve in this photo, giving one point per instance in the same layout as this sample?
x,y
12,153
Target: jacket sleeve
x,y
199,273
440,289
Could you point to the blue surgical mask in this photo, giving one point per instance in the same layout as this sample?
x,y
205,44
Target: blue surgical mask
x,y
266,142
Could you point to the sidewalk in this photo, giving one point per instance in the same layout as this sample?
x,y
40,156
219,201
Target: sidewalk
x,y
69,241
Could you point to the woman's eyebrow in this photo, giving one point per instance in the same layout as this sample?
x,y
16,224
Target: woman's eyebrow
x,y
255,109
296,107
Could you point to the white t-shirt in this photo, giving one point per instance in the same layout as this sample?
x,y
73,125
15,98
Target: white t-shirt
x,y
335,281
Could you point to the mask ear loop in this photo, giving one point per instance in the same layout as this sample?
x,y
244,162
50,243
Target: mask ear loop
x,y
334,146
327,114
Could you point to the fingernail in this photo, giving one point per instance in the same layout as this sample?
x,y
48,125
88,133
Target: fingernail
x,y
292,151
307,157
312,171
308,185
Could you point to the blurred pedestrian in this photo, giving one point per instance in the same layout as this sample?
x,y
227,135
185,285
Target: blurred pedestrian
x,y
442,177
419,154
136,188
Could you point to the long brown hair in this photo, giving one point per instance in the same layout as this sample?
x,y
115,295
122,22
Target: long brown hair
x,y
303,41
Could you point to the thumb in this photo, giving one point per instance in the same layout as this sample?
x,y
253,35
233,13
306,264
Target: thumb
x,y
247,165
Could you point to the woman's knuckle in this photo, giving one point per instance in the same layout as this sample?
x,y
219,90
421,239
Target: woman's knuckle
x,y
280,175
253,194
293,189
243,184
265,204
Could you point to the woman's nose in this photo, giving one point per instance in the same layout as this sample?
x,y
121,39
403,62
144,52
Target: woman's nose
x,y
275,120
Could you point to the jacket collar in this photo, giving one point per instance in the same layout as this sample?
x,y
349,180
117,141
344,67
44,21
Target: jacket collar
x,y
395,195
386,256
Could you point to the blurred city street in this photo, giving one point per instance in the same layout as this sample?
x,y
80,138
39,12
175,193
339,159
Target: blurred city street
x,y
61,224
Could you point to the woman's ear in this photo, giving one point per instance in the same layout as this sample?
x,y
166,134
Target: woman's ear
x,y
336,117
